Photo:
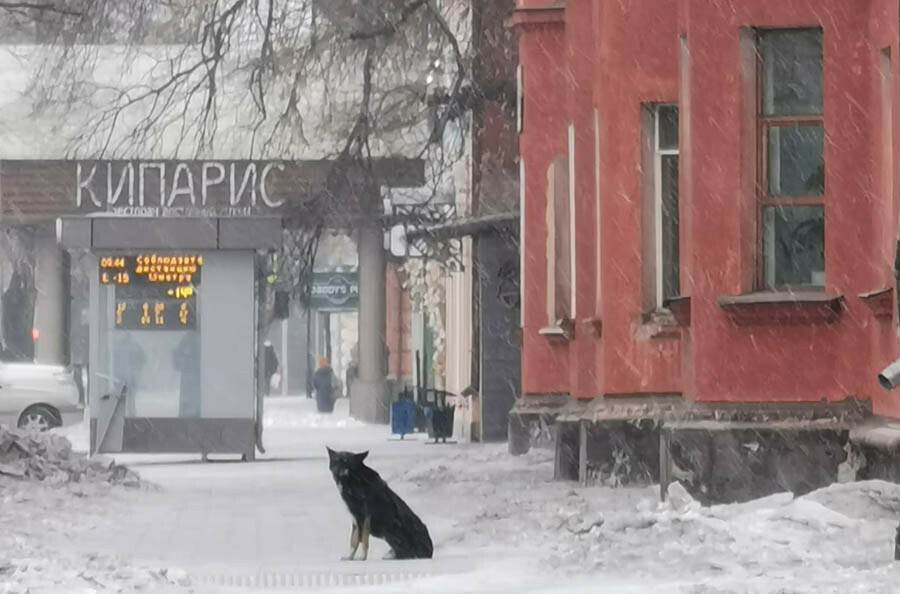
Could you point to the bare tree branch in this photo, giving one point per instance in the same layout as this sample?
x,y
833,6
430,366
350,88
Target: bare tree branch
x,y
295,78
390,28
45,7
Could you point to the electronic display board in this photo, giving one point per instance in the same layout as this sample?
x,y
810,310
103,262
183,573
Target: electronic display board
x,y
153,291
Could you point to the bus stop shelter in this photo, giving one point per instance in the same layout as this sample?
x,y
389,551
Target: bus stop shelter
x,y
176,333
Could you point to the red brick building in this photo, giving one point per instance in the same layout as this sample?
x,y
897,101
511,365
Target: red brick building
x,y
709,210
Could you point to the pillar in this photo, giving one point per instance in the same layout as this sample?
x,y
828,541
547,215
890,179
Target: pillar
x,y
285,354
370,396
51,300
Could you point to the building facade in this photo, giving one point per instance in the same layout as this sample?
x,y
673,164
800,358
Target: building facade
x,y
483,347
709,208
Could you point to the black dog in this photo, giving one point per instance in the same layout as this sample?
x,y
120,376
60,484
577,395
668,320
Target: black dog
x,y
376,510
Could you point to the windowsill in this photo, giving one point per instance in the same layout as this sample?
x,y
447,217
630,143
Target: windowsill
x,y
563,330
660,323
680,307
783,307
880,302
552,11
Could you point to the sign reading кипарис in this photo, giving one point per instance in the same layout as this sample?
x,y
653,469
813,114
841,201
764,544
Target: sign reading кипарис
x,y
46,189
183,188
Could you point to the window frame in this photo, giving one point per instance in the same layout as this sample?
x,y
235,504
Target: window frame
x,y
558,249
658,214
764,124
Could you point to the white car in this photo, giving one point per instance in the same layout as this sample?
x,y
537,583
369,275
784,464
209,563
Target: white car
x,y
39,397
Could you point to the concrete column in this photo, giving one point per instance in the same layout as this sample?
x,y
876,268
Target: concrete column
x,y
51,300
370,396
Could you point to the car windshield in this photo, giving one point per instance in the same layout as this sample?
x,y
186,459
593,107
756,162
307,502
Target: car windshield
x,y
544,296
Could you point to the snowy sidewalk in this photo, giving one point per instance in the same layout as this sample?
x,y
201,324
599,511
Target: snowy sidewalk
x,y
499,524
276,522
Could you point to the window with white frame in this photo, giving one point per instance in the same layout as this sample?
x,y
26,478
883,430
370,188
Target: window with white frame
x,y
665,197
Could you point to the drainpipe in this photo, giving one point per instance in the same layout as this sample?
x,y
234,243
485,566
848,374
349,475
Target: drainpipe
x,y
889,378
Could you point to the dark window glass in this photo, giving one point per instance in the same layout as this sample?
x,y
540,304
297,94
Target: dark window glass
x,y
792,72
794,245
668,127
796,163
669,189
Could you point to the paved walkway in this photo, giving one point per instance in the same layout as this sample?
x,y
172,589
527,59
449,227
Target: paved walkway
x,y
277,522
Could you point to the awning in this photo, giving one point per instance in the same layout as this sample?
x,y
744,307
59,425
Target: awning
x,y
463,227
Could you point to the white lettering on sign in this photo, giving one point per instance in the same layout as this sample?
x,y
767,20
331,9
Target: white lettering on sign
x,y
249,173
329,290
113,195
336,290
85,184
136,211
229,189
263,185
182,172
142,168
209,181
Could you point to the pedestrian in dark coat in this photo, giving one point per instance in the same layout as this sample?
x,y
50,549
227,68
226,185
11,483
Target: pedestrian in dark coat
x,y
323,382
272,365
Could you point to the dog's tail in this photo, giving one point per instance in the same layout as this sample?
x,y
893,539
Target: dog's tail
x,y
416,545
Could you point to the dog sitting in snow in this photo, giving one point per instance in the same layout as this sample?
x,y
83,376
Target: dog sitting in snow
x,y
377,511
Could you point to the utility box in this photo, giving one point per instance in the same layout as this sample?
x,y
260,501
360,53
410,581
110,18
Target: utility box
x,y
175,331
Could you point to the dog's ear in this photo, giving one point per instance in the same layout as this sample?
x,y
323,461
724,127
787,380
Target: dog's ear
x,y
360,457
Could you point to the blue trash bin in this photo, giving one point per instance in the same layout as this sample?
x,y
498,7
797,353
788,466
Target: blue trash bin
x,y
403,417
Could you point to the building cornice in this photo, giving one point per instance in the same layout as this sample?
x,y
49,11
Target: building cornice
x,y
551,13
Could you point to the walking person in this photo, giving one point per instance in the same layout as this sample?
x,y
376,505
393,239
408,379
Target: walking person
x,y
130,361
310,389
352,369
325,384
272,366
186,359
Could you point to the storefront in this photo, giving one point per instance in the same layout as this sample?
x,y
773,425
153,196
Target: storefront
x,y
177,266
334,307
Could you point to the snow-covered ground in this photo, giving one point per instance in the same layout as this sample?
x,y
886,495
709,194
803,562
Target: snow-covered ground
x,y
35,516
499,525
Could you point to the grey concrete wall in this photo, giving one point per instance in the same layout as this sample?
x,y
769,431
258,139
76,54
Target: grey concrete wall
x,y
79,306
51,300
500,365
226,326
293,360
370,397
99,317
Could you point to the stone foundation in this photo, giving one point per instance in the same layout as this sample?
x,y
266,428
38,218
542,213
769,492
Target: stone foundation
x,y
532,423
875,451
721,452
723,462
531,431
608,452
